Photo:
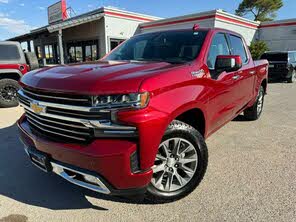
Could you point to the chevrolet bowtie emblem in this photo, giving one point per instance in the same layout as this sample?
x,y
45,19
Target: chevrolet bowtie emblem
x,y
37,108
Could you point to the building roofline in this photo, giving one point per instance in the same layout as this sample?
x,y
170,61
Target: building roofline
x,y
284,22
107,11
218,14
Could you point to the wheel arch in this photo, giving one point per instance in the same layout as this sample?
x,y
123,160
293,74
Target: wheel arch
x,y
194,117
10,74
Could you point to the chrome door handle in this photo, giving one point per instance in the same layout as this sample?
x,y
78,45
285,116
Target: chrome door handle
x,y
252,72
236,77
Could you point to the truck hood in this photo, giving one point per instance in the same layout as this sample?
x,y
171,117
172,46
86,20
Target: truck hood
x,y
103,77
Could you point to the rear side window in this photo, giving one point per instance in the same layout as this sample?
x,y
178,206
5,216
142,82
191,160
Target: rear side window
x,y
238,48
219,46
9,52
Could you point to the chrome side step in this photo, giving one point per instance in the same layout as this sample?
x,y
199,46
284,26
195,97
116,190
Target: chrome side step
x,y
90,182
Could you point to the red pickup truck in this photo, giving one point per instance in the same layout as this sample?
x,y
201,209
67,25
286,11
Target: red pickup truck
x,y
136,121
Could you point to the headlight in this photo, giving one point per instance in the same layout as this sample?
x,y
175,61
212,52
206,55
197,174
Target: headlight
x,y
134,100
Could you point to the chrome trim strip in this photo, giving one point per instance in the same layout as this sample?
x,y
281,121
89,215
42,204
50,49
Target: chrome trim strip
x,y
52,97
101,108
56,105
54,116
55,122
60,170
88,123
59,134
118,132
57,128
73,114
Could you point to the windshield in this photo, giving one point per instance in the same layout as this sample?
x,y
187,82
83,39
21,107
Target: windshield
x,y
168,46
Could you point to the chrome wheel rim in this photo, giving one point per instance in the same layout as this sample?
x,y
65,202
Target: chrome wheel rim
x,y
260,102
175,165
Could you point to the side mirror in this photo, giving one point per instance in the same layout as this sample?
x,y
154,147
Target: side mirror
x,y
228,63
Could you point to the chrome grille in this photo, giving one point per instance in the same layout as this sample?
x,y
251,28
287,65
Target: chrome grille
x,y
62,129
66,99
57,122
67,122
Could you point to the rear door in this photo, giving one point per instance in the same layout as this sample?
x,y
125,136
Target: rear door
x,y
245,76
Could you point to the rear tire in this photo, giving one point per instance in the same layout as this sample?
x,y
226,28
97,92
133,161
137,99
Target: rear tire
x,y
293,77
8,93
179,169
254,112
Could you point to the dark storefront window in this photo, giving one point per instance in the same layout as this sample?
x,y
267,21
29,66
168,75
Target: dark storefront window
x,y
48,52
38,52
115,42
82,51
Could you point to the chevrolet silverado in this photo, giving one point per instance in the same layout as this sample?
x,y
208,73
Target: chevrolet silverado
x,y
136,121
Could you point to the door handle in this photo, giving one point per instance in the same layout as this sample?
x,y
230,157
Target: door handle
x,y
252,72
236,77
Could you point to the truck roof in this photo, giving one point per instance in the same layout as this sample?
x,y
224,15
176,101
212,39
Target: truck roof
x,y
200,29
9,43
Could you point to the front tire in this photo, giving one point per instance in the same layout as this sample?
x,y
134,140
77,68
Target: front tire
x,y
255,111
180,164
8,93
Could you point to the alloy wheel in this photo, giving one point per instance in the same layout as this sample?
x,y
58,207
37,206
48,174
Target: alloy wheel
x,y
175,165
260,102
9,93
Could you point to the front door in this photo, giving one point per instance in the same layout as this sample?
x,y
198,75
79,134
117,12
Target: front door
x,y
222,99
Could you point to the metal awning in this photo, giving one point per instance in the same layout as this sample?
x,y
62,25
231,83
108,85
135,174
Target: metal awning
x,y
74,22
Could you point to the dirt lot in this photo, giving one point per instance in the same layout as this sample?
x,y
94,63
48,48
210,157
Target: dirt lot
x,y
251,177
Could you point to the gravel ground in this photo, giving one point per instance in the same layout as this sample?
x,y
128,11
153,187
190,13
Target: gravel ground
x,y
251,177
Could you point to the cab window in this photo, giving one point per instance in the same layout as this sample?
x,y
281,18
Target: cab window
x,y
219,46
238,48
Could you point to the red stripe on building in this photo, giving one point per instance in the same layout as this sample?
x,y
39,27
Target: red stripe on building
x,y
235,21
178,21
128,16
277,25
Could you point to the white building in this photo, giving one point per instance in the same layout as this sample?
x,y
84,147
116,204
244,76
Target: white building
x,y
279,35
91,35
85,37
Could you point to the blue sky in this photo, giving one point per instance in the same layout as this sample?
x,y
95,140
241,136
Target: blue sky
x,y
20,16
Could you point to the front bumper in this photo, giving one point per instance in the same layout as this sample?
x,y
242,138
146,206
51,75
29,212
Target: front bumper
x,y
107,160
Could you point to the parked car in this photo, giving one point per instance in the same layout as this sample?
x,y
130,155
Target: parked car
x,y
282,66
14,63
136,121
